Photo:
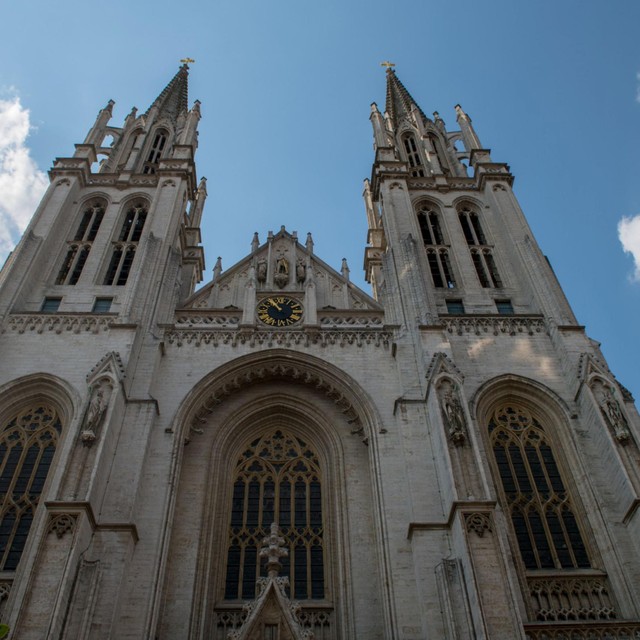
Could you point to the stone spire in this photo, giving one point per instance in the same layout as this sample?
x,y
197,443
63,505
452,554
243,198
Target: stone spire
x,y
399,101
174,98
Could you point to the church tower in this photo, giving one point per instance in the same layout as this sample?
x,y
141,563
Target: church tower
x,y
528,433
280,455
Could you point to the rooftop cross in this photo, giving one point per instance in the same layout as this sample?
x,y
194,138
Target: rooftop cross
x,y
388,64
187,60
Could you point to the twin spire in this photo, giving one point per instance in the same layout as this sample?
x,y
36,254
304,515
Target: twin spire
x,y
399,101
174,98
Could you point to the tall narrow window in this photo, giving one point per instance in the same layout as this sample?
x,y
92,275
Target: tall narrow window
x,y
277,479
481,252
437,251
440,153
540,506
124,249
413,155
80,246
27,444
155,152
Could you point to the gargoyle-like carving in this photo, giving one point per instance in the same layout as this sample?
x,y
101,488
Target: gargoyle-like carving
x,y
611,410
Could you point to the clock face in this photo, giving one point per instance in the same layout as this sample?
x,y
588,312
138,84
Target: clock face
x,y
279,311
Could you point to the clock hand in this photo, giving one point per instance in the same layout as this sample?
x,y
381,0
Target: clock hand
x,y
275,304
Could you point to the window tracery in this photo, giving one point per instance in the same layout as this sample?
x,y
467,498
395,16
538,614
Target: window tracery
x,y
437,250
277,479
80,246
481,251
27,444
155,152
124,248
541,509
413,155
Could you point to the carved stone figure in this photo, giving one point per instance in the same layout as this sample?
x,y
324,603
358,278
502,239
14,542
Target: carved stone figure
x,y
453,413
613,414
301,272
282,271
261,270
95,413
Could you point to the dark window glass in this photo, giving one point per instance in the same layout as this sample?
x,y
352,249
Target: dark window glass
x,y
27,445
541,511
277,480
504,307
455,307
51,305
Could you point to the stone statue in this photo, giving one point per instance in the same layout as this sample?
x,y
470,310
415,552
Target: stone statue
x,y
261,271
453,415
95,413
282,271
301,272
613,414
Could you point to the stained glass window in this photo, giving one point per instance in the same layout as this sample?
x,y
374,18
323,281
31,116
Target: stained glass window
x,y
27,444
277,479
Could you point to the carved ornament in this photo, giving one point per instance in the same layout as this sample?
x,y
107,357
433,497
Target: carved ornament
x,y
62,523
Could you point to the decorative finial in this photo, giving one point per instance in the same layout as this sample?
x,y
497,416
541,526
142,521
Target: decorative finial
x,y
187,60
388,65
273,550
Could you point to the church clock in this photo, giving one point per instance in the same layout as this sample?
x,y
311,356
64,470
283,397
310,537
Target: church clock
x,y
279,311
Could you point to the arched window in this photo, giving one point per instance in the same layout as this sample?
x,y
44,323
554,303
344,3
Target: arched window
x,y
80,246
481,252
124,249
440,153
28,441
541,509
413,155
437,251
155,152
277,479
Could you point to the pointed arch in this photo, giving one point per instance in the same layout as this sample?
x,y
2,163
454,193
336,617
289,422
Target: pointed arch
x,y
275,395
34,412
523,423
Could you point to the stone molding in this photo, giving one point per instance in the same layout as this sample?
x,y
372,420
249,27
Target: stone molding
x,y
479,522
495,325
262,373
285,338
58,323
583,631
62,523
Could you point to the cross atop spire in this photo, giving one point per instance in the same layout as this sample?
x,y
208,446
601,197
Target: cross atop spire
x,y
173,100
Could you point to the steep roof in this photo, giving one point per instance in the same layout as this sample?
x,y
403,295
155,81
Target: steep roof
x,y
174,98
399,101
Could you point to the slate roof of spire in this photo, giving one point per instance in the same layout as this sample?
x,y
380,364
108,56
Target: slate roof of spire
x,y
399,101
174,98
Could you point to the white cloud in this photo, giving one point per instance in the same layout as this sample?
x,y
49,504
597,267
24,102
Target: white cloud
x,y
21,182
629,234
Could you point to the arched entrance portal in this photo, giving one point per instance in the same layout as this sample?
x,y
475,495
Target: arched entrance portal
x,y
273,438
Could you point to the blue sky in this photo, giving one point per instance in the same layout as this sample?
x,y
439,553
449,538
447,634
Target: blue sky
x,y
552,88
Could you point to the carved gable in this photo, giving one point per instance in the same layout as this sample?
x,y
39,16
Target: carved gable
x,y
283,266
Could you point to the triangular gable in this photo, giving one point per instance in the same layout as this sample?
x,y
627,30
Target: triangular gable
x,y
283,265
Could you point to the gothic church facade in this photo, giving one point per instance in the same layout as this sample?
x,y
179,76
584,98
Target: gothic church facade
x,y
282,455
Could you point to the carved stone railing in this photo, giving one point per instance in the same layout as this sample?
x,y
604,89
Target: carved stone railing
x,y
570,598
286,338
494,325
584,631
317,619
208,319
58,322
351,318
